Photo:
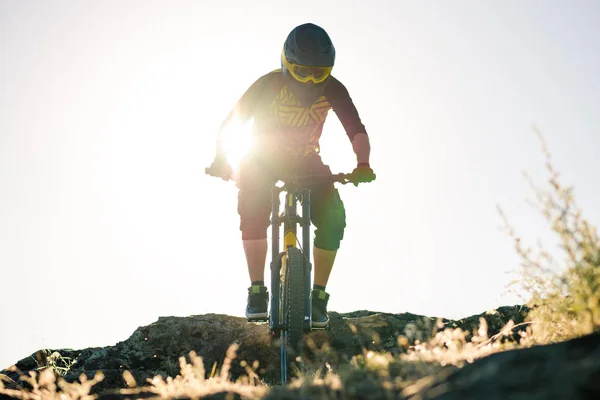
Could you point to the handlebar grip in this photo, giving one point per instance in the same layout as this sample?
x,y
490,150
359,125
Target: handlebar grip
x,y
209,171
350,178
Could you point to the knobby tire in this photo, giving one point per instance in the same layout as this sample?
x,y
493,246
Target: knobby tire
x,y
292,287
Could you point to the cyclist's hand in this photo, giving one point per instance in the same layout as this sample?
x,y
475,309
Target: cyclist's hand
x,y
362,174
220,168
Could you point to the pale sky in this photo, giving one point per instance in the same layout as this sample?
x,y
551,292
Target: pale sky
x,y
109,111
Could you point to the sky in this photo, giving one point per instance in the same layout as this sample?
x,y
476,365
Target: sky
x,y
109,112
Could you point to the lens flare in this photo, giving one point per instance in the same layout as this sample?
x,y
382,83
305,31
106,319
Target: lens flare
x,y
237,141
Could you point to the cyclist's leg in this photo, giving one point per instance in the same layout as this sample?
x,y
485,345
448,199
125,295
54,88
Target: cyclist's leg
x,y
254,208
327,215
329,218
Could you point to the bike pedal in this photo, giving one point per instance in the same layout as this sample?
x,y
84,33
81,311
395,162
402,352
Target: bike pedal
x,y
257,320
320,328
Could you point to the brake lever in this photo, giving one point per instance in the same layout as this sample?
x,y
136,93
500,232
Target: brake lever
x,y
348,179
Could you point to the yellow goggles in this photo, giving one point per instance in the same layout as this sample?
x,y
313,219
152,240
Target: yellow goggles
x,y
304,73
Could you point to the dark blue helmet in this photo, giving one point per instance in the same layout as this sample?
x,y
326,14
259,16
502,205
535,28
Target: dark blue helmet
x,y
309,45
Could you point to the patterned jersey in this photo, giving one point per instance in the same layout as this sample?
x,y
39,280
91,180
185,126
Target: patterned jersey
x,y
282,122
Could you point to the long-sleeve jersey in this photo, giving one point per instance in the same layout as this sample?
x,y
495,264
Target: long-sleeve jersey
x,y
281,121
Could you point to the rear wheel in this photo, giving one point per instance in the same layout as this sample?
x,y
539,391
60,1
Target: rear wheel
x,y
292,294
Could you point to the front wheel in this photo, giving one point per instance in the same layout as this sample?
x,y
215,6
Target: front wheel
x,y
292,291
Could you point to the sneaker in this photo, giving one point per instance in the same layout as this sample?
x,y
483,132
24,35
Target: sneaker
x,y
258,301
320,318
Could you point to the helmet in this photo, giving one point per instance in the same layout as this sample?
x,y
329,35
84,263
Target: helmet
x,y
309,45
308,54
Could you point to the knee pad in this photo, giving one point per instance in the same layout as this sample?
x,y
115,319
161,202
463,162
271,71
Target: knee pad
x,y
330,227
254,209
254,228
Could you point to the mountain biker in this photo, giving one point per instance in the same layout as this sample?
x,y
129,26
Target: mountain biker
x,y
289,107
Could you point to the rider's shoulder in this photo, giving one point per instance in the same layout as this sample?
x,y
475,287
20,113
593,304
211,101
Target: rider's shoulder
x,y
260,85
335,88
270,77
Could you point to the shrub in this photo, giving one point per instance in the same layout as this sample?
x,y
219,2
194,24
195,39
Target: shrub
x,y
565,299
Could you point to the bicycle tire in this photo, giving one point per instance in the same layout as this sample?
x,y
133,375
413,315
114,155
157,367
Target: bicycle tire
x,y
295,292
292,286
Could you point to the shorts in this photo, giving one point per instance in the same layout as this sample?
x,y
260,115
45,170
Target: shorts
x,y
256,178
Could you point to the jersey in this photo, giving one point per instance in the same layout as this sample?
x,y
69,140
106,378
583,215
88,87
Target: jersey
x,y
282,122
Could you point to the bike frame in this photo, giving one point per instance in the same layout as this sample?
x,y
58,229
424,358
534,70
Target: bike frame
x,y
290,220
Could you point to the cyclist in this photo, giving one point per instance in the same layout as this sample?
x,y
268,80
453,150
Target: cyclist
x,y
289,107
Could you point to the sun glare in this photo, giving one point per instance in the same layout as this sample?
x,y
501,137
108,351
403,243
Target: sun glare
x,y
237,141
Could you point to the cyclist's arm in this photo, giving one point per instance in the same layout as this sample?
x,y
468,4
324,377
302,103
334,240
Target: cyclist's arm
x,y
243,109
344,107
362,148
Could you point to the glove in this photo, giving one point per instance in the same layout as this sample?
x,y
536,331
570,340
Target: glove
x,y
220,168
362,174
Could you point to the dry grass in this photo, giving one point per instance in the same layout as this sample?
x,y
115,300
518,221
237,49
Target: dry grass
x,y
191,382
565,296
47,385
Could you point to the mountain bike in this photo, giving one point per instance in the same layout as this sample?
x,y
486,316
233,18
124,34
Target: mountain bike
x,y
291,305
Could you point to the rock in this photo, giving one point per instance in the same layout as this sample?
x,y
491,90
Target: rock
x,y
155,349
495,319
566,370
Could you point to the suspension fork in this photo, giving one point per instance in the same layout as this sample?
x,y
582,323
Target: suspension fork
x,y
290,222
306,250
274,322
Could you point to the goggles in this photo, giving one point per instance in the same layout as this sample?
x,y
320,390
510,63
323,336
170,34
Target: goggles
x,y
304,73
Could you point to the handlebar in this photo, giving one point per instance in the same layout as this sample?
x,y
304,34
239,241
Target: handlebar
x,y
210,172
342,178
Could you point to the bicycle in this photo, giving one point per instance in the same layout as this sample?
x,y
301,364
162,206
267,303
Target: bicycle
x,y
291,267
